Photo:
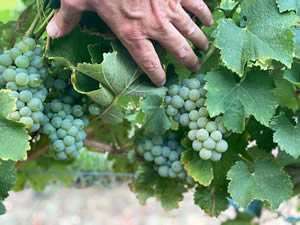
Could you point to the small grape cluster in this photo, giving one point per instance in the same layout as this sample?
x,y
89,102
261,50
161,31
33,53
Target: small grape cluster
x,y
165,152
185,104
22,72
64,125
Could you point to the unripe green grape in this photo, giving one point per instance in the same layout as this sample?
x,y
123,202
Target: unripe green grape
x,y
193,125
157,140
192,135
49,82
177,167
34,80
177,117
166,151
173,156
194,95
30,43
181,175
21,70
22,79
14,53
56,122
200,102
78,123
216,156
177,102
194,115
48,129
20,105
50,115
37,62
159,160
9,75
58,146
180,149
69,140
94,109
67,109
168,100
61,156
56,106
62,114
73,131
202,134
25,112
70,117
11,86
216,136
211,126
22,61
193,84
27,121
38,50
184,93
29,54
40,95
209,143
171,173
182,110
219,119
221,146
15,94
221,128
140,149
77,111
189,105
35,127
185,81
85,120
59,85
203,112
190,180
53,137
37,117
35,104
79,145
15,116
5,60
205,154
173,90
61,133
43,72
163,171
32,70
45,120
148,157
203,92
171,111
148,145
156,150
197,145
184,120
70,149
25,96
2,68
171,135
173,144
22,46
200,77
202,121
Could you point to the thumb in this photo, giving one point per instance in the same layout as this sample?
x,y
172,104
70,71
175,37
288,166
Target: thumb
x,y
64,21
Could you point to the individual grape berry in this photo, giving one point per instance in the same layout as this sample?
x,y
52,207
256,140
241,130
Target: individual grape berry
x,y
173,90
53,137
61,133
77,111
15,94
29,54
34,80
20,105
56,122
189,105
197,145
193,125
25,96
157,140
70,149
202,134
216,136
193,84
25,112
211,126
94,109
59,85
81,136
171,173
73,131
35,104
173,156
203,112
148,157
194,95
192,135
35,127
172,144
209,143
48,129
156,150
61,156
58,146
177,102
14,116
69,140
202,121
171,111
200,102
219,119
5,60
181,175
184,120
168,100
14,53
159,160
49,82
21,70
177,167
177,117
203,92
171,135
78,123
163,171
216,156
9,75
38,50
166,151
22,61
205,154
22,46
184,93
30,43
194,115
221,146
79,145
22,79
56,106
27,121
37,62
70,117
11,86
221,128
148,145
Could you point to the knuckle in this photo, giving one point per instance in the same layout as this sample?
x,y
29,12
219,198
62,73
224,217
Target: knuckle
x,y
191,31
74,4
131,33
200,6
183,52
150,66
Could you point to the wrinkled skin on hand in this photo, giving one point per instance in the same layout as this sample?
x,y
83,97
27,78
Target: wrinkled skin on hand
x,y
136,22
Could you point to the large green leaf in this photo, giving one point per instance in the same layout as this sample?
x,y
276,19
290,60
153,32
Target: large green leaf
x,y
266,182
266,35
157,120
287,5
7,181
238,100
297,41
14,138
286,135
293,75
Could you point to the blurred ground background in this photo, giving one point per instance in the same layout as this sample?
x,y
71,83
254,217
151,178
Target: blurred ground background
x,y
116,206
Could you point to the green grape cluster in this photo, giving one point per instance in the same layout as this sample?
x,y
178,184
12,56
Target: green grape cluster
x,y
64,125
22,72
185,104
165,151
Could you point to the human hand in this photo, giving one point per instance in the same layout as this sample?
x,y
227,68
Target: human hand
x,y
136,22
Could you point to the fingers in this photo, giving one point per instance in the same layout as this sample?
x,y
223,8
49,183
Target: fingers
x,y
146,57
65,19
176,44
186,26
199,9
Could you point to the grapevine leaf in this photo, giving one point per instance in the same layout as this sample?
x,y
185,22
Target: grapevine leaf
x,y
284,91
267,182
286,135
114,115
179,67
293,75
97,49
7,181
14,138
200,170
212,202
266,35
228,4
243,218
297,40
288,5
252,96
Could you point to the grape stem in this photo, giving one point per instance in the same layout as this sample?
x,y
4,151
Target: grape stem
x,y
42,27
108,108
33,156
29,32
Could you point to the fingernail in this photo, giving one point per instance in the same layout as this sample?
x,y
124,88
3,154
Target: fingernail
x,y
52,29
211,23
162,83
